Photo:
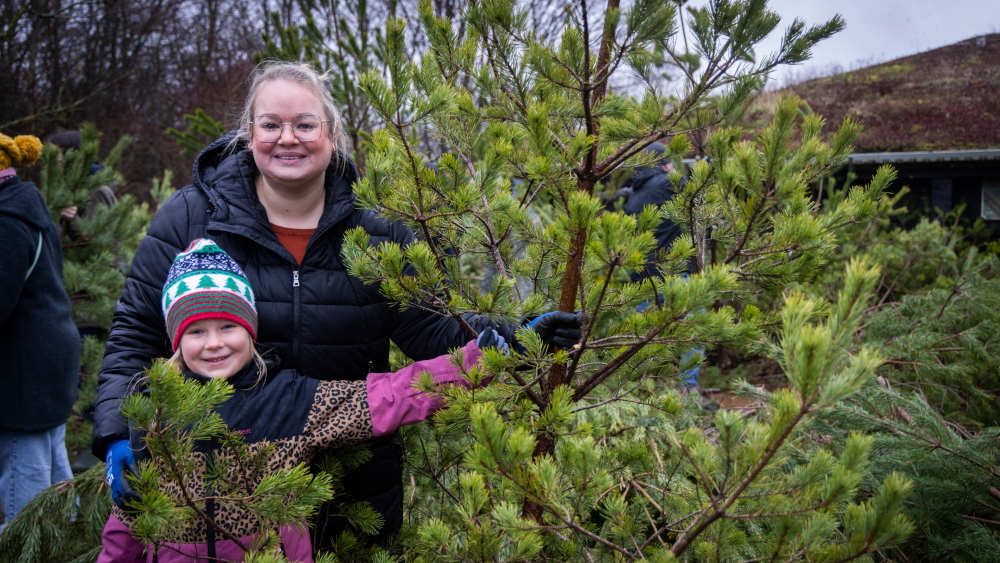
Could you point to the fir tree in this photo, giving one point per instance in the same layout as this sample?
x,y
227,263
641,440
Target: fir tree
x,y
97,250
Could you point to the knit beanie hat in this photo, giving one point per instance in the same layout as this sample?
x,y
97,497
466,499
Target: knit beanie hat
x,y
22,150
206,283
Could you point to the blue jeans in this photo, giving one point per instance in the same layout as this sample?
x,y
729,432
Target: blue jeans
x,y
30,462
690,376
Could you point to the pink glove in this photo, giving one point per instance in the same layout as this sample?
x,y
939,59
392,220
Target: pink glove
x,y
394,402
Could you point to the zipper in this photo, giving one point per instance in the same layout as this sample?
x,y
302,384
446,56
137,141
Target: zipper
x,y
295,313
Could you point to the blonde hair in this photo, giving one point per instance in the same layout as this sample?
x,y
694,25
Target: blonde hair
x,y
303,75
177,361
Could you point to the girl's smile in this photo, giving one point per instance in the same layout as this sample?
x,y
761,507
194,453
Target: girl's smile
x,y
215,347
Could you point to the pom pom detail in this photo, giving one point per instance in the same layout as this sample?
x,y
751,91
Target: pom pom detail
x,y
31,149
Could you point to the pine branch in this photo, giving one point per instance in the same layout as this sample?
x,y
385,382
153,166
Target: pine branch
x,y
598,377
174,473
590,321
750,224
699,526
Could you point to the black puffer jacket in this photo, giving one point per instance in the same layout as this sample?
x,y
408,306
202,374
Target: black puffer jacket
x,y
321,321
651,186
39,343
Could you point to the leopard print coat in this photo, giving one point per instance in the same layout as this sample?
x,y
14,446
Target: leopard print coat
x,y
292,415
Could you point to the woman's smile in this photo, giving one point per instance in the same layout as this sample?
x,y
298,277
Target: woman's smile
x,y
286,161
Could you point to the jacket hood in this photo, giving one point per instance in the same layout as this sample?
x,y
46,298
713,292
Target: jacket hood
x,y
226,172
17,199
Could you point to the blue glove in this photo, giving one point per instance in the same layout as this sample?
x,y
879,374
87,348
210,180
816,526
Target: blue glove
x,y
558,329
120,461
491,337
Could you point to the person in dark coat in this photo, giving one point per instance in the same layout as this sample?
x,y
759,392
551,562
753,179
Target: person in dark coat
x,y
651,185
39,344
103,195
277,196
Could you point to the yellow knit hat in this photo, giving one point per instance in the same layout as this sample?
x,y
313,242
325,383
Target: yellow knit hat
x,y
22,150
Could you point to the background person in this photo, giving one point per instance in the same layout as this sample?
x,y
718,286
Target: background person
x,y
103,195
277,195
651,185
39,344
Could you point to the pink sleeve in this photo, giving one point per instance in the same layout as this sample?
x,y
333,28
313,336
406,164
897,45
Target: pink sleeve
x,y
118,545
393,401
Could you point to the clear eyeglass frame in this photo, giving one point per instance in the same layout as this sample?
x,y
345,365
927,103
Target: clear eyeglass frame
x,y
305,128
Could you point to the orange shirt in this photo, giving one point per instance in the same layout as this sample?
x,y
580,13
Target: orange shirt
x,y
295,240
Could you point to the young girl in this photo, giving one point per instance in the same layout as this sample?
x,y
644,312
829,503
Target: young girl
x,y
211,319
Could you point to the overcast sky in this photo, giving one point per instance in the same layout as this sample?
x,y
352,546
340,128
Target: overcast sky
x,y
882,30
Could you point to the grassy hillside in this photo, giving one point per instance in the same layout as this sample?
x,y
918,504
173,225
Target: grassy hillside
x,y
946,98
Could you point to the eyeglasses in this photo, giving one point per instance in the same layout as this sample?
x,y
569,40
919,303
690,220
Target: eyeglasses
x,y
305,128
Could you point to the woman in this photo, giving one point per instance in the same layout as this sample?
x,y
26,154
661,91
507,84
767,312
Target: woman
x,y
276,195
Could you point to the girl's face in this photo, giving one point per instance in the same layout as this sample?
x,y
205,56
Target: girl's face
x,y
216,347
288,161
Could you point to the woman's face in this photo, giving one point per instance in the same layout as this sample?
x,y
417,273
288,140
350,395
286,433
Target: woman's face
x,y
216,347
288,162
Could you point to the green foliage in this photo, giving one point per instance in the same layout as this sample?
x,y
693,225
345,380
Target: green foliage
x,y
175,414
753,208
36,535
933,415
644,476
97,248
935,316
588,453
917,259
78,428
941,339
201,130
954,501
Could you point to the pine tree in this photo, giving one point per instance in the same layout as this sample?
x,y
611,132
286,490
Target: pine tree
x,y
955,504
591,453
933,413
201,129
96,250
62,523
